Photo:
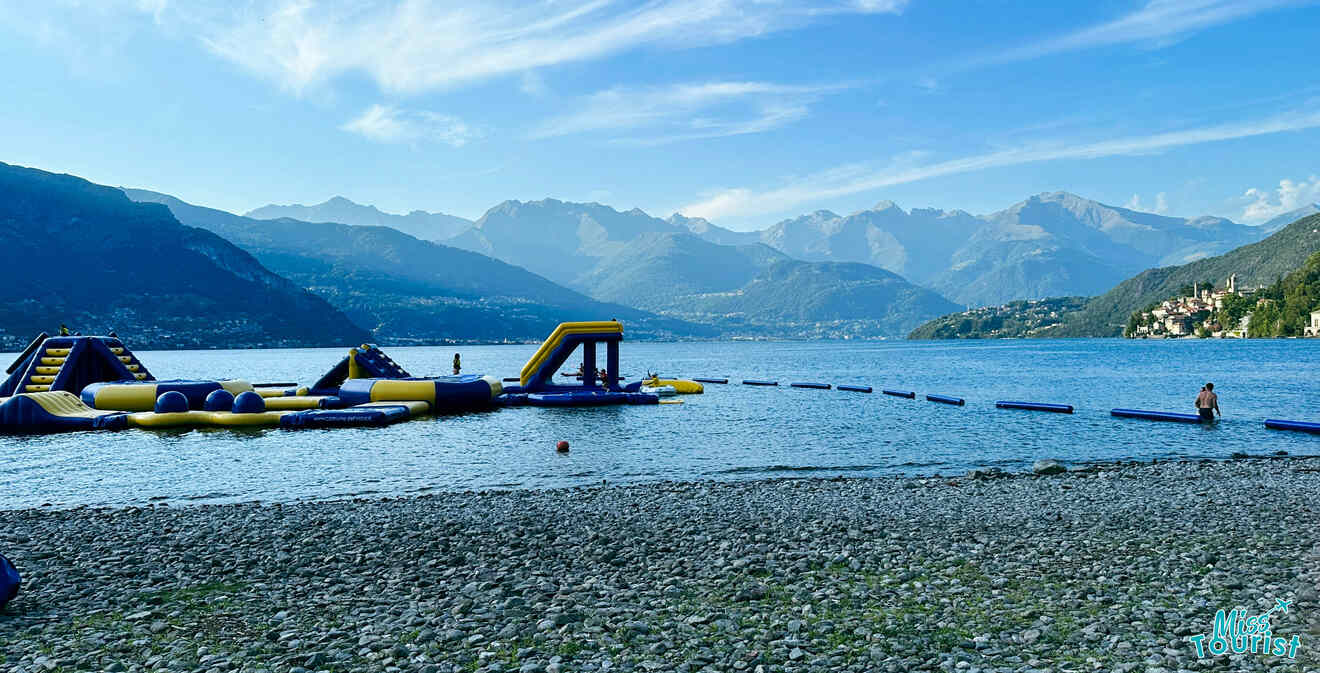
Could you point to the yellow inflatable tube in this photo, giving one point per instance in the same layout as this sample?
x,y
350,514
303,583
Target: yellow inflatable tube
x,y
557,337
681,386
292,403
196,419
415,407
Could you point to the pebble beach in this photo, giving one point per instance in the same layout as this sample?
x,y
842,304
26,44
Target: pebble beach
x,y
1104,567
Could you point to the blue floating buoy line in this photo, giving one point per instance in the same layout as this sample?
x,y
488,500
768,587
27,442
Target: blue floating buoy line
x,y
1142,414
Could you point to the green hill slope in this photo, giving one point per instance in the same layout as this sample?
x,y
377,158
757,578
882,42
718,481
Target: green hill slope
x,y
1017,319
83,254
818,299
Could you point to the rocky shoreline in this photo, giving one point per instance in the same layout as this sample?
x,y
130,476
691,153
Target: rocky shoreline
x,y
1107,568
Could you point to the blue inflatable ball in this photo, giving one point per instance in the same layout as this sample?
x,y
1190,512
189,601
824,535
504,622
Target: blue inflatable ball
x,y
219,400
172,402
249,403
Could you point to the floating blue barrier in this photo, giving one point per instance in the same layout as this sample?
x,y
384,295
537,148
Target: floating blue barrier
x,y
813,386
1298,426
1156,415
754,382
900,393
854,389
589,398
1036,406
346,418
945,399
711,380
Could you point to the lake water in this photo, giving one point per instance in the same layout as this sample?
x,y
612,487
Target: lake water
x,y
731,432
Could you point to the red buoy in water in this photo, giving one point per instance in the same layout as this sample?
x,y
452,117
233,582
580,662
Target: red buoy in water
x,y
562,446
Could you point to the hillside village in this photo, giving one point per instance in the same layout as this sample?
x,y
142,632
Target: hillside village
x,y
1207,312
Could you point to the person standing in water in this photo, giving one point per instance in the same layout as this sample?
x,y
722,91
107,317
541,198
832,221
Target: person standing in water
x,y
458,364
1207,403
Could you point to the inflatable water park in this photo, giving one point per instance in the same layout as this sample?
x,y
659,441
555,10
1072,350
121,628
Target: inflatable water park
x,y
72,383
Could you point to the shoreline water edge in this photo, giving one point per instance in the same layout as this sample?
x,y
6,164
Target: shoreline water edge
x,y
1111,567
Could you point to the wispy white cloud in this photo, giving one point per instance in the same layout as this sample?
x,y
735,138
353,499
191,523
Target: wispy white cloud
x,y
686,111
409,46
533,84
1157,23
1265,204
387,124
864,177
1160,207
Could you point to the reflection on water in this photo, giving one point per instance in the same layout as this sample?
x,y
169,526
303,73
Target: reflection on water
x,y
731,432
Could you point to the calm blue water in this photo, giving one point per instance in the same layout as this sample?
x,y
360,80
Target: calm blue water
x,y
731,432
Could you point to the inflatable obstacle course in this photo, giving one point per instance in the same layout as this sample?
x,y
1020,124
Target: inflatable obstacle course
x,y
96,383
535,381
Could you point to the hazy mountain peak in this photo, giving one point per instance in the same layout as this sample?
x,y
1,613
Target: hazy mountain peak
x,y
886,205
341,210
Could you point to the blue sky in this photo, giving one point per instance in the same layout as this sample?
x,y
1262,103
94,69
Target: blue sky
x,y
744,113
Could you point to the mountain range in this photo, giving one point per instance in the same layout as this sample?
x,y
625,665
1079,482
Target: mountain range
x,y
418,223
86,256
405,290
1047,245
525,266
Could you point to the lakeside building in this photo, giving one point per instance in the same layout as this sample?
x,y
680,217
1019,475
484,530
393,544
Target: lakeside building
x,y
1313,329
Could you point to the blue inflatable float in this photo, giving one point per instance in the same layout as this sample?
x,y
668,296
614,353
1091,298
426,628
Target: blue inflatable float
x,y
384,414
9,581
1155,415
1296,426
1036,406
711,380
757,382
945,399
588,398
443,393
854,389
900,393
51,411
813,386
